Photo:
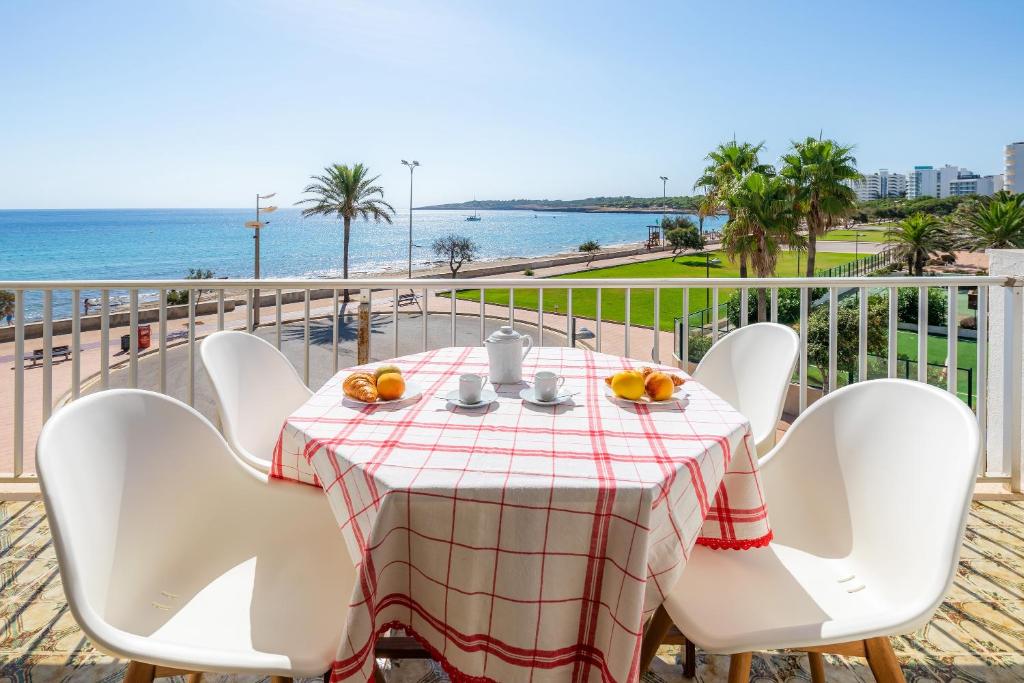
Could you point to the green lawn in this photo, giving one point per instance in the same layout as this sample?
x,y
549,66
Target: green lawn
x,y
613,301
850,236
906,348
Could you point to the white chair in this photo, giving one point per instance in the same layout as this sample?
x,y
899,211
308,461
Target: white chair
x,y
255,388
751,369
868,495
177,556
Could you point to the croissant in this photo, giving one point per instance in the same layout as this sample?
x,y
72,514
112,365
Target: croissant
x,y
361,386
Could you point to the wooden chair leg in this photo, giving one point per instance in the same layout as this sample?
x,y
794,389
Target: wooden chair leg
x,y
655,632
690,660
817,661
197,677
139,673
882,660
739,667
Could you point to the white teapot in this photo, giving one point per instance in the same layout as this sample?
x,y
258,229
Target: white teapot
x,y
505,354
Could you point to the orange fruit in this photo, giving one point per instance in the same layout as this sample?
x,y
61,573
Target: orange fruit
x,y
390,386
659,386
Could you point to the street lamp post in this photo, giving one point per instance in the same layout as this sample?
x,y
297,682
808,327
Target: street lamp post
x,y
412,167
664,196
256,225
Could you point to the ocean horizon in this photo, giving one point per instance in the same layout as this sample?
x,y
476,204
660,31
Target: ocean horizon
x,y
148,244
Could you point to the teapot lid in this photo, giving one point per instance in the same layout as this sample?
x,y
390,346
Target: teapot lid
x,y
504,334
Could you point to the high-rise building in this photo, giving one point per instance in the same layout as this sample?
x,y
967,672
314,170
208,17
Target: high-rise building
x,y
879,185
950,181
1013,176
971,183
928,181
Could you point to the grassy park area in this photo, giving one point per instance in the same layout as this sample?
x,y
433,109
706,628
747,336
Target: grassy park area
x,y
613,301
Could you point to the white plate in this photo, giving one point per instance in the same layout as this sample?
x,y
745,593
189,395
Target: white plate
x,y
487,397
677,395
528,396
412,390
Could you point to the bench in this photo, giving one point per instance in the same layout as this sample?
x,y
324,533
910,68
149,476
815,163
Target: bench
x,y
409,299
37,354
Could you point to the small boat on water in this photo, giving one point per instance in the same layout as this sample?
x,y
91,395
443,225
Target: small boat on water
x,y
474,217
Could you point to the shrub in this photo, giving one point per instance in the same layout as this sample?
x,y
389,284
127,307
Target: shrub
x,y
789,305
969,323
699,345
907,305
528,272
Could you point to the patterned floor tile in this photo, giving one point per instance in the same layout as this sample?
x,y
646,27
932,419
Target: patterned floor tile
x,y
977,634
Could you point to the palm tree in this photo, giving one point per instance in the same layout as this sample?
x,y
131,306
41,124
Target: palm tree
x,y
346,192
818,169
764,220
729,163
995,222
916,238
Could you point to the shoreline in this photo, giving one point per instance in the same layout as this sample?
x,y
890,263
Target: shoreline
x,y
239,297
571,209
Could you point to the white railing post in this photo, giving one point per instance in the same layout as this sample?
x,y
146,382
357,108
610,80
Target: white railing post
x,y
1011,372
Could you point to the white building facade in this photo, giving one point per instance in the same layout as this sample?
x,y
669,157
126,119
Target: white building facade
x,y
879,185
1013,175
950,181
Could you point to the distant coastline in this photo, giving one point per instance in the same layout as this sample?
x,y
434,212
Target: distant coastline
x,y
620,205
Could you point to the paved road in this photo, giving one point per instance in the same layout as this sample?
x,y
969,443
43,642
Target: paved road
x,y
467,333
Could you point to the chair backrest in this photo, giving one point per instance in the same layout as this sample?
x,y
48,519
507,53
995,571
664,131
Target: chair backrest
x,y
130,480
255,388
751,369
879,475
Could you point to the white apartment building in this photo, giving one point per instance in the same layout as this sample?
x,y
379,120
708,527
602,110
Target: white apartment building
x,y
950,181
879,185
971,183
1013,177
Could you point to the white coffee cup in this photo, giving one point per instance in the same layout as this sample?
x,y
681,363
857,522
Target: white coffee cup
x,y
546,385
470,387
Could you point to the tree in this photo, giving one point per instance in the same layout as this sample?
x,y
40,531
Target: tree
x,y
818,169
916,238
729,163
176,297
346,192
6,303
590,248
682,239
995,222
847,333
681,233
762,213
457,249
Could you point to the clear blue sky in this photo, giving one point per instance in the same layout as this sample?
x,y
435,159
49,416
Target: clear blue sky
x,y
201,103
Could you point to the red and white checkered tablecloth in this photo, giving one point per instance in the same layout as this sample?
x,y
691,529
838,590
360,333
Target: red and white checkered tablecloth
x,y
522,543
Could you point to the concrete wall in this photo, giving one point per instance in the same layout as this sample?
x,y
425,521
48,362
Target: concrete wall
x,y
1007,262
119,319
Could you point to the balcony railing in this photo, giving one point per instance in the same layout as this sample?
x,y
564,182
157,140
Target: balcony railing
x,y
389,317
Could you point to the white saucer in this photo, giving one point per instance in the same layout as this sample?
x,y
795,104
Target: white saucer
x,y
528,396
678,394
487,397
412,390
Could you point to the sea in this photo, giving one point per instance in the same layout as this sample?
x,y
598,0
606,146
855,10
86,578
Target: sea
x,y
112,244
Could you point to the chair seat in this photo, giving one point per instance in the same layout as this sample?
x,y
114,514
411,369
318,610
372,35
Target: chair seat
x,y
262,615
777,597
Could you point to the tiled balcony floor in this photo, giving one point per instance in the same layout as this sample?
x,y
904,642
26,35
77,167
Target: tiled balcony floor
x,y
977,635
